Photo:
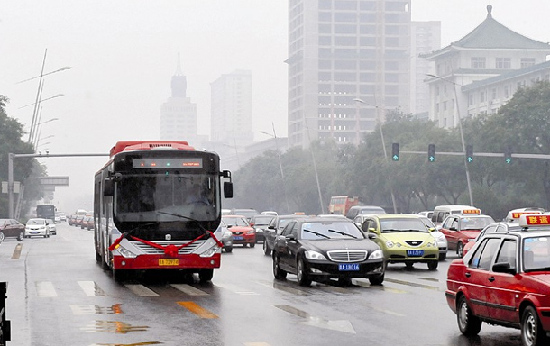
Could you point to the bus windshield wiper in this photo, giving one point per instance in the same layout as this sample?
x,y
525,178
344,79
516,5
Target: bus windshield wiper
x,y
317,233
184,217
342,233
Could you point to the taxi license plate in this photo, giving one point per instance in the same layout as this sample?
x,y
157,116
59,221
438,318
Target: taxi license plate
x,y
415,253
169,262
238,237
348,267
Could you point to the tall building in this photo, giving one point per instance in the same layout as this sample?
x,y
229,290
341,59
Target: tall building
x,y
178,116
349,64
425,38
489,51
231,109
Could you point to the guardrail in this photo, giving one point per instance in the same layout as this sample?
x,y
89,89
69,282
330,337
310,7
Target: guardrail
x,y
5,326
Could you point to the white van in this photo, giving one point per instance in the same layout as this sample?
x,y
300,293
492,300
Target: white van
x,y
513,215
441,212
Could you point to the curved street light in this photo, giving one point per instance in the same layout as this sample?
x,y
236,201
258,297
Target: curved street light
x,y
461,133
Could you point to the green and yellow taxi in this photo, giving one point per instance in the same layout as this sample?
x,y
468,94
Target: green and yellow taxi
x,y
403,238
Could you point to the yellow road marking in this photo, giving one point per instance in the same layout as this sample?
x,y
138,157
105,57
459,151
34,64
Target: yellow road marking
x,y
198,310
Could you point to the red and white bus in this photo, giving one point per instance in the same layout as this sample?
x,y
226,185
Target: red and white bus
x,y
157,206
342,204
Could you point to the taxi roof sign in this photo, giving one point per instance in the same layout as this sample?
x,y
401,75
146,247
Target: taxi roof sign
x,y
471,211
531,220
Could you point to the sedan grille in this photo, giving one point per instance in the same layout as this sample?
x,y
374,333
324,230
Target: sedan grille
x,y
148,249
347,255
414,242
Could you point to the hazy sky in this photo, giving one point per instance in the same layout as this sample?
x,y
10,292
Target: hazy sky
x,y
122,54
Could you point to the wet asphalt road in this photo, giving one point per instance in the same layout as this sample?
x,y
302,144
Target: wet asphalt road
x,y
58,295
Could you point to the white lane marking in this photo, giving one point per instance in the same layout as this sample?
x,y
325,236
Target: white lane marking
x,y
45,289
142,291
91,288
189,290
238,290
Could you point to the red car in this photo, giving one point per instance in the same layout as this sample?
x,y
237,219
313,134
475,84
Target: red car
x,y
505,280
460,229
11,228
243,233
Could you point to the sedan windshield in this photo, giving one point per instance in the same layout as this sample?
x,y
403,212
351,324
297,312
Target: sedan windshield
x,y
402,225
330,230
475,222
235,221
36,222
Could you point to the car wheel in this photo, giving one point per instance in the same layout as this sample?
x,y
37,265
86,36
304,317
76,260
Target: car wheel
x,y
376,280
303,277
229,249
278,273
532,333
468,324
432,265
252,244
442,256
2,237
459,249
267,250
206,275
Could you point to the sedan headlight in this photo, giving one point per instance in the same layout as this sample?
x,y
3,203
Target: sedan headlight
x,y
250,232
314,255
376,254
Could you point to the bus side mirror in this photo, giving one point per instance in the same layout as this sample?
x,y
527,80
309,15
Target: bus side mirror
x,y
228,189
109,187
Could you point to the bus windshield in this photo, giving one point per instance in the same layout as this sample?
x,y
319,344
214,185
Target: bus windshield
x,y
166,197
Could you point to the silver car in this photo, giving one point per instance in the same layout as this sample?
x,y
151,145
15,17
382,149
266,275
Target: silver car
x,y
227,238
438,235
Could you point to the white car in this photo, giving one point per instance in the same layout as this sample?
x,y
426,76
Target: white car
x,y
438,235
37,227
53,227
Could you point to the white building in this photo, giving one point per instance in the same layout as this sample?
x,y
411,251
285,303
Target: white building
x,y
490,50
178,116
340,51
231,109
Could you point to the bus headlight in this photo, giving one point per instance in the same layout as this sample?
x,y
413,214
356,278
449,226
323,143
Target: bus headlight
x,y
125,252
209,252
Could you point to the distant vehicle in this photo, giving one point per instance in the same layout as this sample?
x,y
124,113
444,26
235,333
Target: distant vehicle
x,y
37,227
11,228
441,212
53,227
227,237
243,233
404,239
503,280
460,229
427,214
275,227
342,204
315,248
364,209
46,211
246,212
513,215
260,224
438,235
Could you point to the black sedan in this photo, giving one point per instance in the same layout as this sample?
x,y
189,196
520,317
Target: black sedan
x,y
320,248
275,227
10,228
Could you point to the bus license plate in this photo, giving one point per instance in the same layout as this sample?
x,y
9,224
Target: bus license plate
x,y
348,267
169,262
415,253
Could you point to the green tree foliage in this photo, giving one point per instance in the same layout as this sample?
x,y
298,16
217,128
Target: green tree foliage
x,y
365,171
11,132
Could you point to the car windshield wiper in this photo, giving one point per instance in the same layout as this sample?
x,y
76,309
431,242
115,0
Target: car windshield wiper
x,y
317,233
342,233
391,230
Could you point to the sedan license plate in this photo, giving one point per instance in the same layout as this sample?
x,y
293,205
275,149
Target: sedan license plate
x,y
415,253
348,267
169,262
238,237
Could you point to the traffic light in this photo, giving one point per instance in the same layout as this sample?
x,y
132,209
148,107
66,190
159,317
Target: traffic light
x,y
508,154
469,153
395,151
431,152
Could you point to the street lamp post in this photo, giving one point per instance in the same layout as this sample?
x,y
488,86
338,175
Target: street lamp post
x,y
315,168
455,85
280,163
383,149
